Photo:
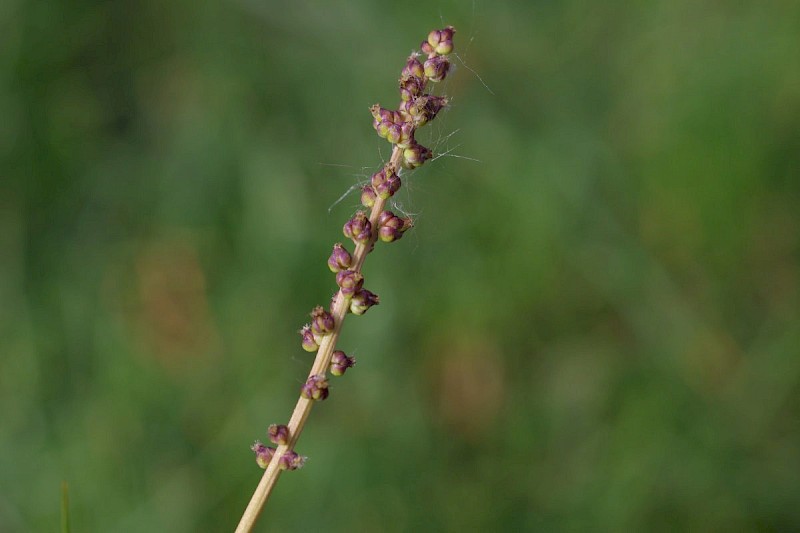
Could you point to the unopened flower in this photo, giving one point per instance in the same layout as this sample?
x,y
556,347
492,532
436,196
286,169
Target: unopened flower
x,y
386,182
362,301
278,433
340,363
386,122
412,111
315,388
382,127
389,114
401,133
394,132
322,323
392,227
436,68
358,228
439,41
415,155
422,109
368,196
382,114
433,104
263,453
413,68
340,258
349,281
309,343
290,460
410,87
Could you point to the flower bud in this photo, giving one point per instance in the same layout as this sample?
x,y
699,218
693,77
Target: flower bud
x,y
382,114
385,217
440,41
385,121
422,109
434,104
379,178
340,258
290,460
415,155
386,182
358,228
436,68
362,301
382,127
413,111
309,343
263,454
368,196
413,68
410,88
340,363
349,282
278,433
394,133
322,323
406,134
392,227
316,388
390,186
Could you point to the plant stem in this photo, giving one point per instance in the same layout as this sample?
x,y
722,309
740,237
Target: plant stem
x,y
321,364
64,507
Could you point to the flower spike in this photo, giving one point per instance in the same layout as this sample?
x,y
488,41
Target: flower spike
x,y
365,228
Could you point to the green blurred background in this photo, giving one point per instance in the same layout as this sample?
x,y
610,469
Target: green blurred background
x,y
594,327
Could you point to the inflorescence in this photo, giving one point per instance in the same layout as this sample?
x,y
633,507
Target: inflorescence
x,y
416,109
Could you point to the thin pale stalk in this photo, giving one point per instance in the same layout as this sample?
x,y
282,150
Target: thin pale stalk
x,y
321,364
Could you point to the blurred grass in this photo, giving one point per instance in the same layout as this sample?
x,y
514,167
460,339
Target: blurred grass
x,y
593,328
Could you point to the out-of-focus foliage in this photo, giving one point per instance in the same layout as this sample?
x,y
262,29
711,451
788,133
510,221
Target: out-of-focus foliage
x,y
594,327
